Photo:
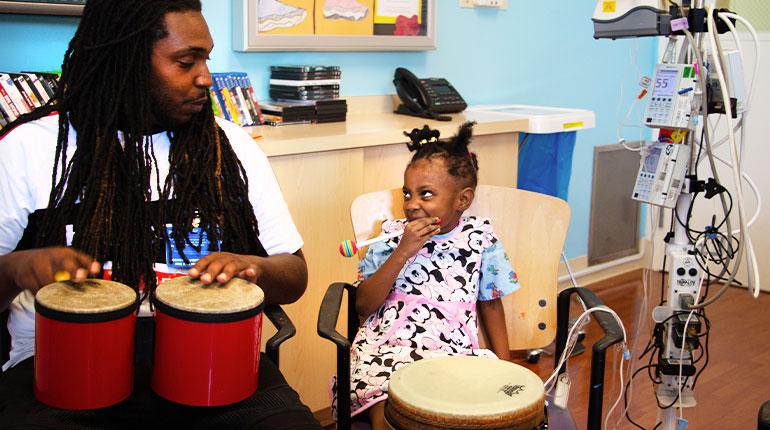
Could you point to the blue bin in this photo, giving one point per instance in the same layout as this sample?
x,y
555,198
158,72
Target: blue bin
x,y
545,162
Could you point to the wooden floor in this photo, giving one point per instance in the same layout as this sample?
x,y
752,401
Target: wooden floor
x,y
729,392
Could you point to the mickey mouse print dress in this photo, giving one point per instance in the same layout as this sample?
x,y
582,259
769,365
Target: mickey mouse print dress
x,y
431,308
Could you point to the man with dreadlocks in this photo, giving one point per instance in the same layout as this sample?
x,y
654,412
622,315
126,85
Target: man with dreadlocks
x,y
128,146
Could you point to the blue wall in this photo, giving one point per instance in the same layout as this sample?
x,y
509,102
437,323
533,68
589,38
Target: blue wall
x,y
535,52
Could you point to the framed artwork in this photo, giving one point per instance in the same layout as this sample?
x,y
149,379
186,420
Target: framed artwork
x,y
37,7
334,25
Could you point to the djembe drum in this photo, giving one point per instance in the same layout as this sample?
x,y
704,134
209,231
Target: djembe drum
x,y
462,392
84,343
207,341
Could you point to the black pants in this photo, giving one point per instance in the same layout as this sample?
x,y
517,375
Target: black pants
x,y
275,405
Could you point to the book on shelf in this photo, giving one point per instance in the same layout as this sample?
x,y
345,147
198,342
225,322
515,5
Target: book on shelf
x,y
6,81
29,95
24,92
10,111
233,98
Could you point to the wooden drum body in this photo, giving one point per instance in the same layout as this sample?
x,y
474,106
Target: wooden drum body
x,y
461,392
84,343
207,341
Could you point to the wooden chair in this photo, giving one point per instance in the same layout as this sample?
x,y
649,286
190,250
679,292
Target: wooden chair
x,y
531,226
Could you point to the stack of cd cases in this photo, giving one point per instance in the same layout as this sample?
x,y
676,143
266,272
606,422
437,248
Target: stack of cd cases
x,y
317,87
305,82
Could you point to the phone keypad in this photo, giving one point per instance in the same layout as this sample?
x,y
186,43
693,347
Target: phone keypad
x,y
443,96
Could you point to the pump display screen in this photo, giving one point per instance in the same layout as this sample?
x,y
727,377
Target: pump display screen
x,y
665,83
651,161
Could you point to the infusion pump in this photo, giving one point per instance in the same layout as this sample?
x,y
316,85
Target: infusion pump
x,y
671,103
661,174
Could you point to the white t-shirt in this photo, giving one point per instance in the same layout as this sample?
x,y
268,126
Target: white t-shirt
x,y
27,156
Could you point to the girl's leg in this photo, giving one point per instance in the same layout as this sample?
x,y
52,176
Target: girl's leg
x,y
377,416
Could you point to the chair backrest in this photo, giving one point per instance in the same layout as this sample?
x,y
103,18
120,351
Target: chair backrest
x,y
532,227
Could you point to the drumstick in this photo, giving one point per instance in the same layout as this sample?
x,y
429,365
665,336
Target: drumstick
x,y
349,248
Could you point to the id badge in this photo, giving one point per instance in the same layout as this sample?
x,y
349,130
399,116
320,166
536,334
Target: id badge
x,y
196,246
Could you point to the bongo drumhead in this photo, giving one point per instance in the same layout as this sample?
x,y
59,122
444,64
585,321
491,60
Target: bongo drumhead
x,y
465,392
92,296
191,295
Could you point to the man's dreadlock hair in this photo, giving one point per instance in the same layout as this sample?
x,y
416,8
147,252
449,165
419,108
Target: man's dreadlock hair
x,y
460,162
104,189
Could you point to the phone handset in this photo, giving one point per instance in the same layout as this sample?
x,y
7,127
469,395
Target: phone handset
x,y
412,94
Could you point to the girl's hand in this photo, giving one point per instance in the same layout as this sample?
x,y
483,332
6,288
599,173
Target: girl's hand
x,y
416,233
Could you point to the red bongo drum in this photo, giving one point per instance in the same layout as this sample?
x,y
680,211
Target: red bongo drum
x,y
207,341
84,343
464,392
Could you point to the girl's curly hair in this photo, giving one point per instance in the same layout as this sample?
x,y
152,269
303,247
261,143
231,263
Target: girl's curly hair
x,y
461,163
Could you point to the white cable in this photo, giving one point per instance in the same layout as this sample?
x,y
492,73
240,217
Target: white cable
x,y
569,270
752,266
755,39
622,124
620,393
681,350
642,315
724,16
754,190
570,336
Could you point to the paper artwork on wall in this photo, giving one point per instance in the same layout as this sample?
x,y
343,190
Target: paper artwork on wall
x,y
400,18
334,25
284,16
344,17
344,9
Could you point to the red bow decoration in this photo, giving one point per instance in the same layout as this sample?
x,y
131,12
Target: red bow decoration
x,y
407,26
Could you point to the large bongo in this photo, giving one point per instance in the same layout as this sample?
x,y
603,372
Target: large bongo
x,y
207,341
461,392
84,343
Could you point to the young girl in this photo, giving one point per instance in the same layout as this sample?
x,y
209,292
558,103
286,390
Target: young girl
x,y
421,291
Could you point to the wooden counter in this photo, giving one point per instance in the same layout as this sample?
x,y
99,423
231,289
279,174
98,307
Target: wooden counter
x,y
321,168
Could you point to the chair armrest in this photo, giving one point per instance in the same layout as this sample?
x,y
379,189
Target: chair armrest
x,y
286,330
613,334
327,323
329,313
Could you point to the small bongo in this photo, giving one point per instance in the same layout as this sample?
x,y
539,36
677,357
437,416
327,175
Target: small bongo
x,y
84,343
207,341
463,392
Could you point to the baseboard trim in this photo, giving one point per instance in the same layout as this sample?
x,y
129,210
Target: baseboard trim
x,y
585,276
620,279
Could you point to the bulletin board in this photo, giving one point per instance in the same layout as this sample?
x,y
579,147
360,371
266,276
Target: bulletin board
x,y
334,25
41,7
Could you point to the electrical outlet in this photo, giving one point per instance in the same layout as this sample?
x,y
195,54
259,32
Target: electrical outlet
x,y
492,4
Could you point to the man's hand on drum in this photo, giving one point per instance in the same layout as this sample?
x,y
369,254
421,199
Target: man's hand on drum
x,y
223,266
36,268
